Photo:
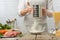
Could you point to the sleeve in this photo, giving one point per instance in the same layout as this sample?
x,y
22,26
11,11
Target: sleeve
x,y
21,6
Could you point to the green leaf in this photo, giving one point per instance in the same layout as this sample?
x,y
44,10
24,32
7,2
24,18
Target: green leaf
x,y
1,35
0,28
0,24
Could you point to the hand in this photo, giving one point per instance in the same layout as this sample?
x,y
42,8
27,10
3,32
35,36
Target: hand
x,y
29,8
46,13
49,14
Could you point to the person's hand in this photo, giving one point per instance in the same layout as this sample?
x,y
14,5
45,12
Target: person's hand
x,y
46,13
29,8
49,14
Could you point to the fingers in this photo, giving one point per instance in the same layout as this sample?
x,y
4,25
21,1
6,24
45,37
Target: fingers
x,y
44,12
28,7
28,4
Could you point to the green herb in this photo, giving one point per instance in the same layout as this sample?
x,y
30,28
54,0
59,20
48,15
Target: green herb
x,y
20,35
5,26
1,35
0,24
